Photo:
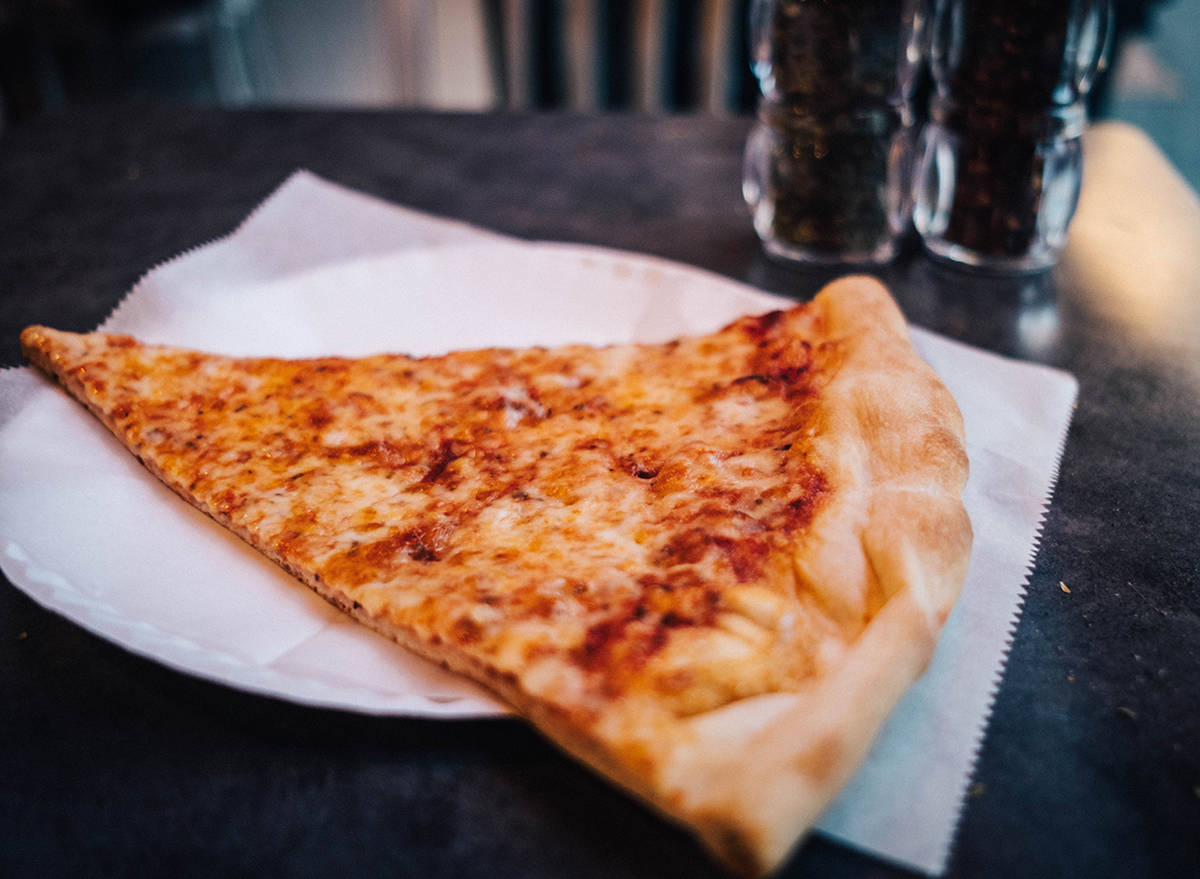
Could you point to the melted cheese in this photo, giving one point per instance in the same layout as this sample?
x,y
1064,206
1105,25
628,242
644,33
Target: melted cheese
x,y
630,512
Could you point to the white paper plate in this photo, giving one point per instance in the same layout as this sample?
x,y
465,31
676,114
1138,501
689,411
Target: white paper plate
x,y
87,532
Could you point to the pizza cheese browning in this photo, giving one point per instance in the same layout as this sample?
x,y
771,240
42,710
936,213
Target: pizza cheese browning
x,y
708,568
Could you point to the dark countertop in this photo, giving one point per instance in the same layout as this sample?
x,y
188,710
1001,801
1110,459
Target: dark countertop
x,y
111,765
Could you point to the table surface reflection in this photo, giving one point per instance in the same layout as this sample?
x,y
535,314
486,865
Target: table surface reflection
x,y
114,765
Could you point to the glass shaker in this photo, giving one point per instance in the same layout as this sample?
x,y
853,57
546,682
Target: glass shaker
x,y
828,166
1000,160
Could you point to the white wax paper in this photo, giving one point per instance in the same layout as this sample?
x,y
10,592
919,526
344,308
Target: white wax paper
x,y
319,269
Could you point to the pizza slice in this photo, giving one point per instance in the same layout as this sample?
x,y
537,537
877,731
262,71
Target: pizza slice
x,y
707,568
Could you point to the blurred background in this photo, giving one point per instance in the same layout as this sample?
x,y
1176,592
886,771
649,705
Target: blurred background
x,y
686,56
445,54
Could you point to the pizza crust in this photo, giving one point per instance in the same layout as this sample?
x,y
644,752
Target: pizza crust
x,y
891,552
898,540
873,577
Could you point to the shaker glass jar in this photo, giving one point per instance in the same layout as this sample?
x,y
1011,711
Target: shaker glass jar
x,y
1001,160
827,167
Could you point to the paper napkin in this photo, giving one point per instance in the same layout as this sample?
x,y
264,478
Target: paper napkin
x,y
319,269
